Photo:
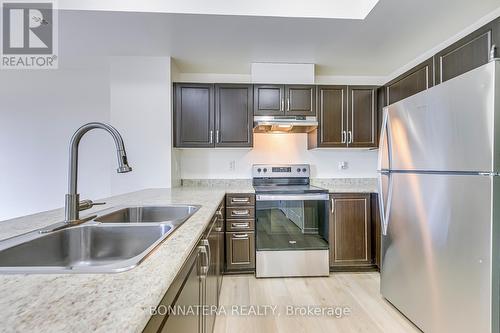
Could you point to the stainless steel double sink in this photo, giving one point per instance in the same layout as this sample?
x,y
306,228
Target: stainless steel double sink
x,y
116,240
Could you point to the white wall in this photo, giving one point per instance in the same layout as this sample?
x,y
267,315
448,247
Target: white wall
x,y
141,110
39,111
276,148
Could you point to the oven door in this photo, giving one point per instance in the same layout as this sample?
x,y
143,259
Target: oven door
x,y
288,222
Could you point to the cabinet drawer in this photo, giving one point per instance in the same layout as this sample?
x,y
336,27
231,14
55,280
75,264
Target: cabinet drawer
x,y
240,250
240,212
238,200
240,225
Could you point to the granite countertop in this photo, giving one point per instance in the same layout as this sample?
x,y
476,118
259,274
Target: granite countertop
x,y
113,302
347,185
119,302
333,185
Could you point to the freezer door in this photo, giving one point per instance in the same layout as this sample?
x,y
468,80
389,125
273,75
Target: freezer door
x,y
436,254
448,127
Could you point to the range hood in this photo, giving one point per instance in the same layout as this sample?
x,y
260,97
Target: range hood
x,y
284,124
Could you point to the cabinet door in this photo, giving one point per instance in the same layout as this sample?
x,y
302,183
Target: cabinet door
x,y
350,230
269,100
194,115
233,115
184,292
362,117
240,252
376,230
332,117
468,53
414,81
300,100
220,259
212,287
381,103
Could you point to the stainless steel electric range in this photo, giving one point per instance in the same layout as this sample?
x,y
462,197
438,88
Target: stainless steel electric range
x,y
291,222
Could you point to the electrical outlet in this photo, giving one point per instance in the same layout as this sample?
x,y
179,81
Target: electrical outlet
x,y
232,165
343,165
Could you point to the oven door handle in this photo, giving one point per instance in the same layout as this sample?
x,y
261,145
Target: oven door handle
x,y
293,197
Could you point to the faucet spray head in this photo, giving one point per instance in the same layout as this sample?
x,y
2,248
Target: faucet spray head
x,y
123,166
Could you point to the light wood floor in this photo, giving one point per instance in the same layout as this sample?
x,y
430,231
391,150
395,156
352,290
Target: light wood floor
x,y
357,291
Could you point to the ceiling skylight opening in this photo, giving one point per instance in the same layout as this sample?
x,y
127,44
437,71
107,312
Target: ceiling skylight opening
x,y
330,9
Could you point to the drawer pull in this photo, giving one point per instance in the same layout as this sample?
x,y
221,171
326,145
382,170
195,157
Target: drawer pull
x,y
242,236
240,199
240,225
240,212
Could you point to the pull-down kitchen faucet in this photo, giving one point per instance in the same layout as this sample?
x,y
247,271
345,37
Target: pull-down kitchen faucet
x,y
72,202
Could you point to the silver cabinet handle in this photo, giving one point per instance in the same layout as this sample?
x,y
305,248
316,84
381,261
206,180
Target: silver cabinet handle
x,y
211,136
332,208
240,225
240,212
240,236
203,269
240,199
282,107
288,104
350,137
344,136
217,136
206,244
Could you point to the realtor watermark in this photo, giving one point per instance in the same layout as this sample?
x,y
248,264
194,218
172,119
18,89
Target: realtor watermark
x,y
337,312
29,33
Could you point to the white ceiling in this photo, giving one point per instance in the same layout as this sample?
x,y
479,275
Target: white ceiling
x,y
393,34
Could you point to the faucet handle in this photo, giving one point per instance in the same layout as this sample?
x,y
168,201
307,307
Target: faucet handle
x,y
87,204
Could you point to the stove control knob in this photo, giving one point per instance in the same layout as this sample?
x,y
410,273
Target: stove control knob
x,y
259,170
304,170
265,170
298,169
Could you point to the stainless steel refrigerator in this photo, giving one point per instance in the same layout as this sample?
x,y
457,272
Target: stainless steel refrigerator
x,y
439,197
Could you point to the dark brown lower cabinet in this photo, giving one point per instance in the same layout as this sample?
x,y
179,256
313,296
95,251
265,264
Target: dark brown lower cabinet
x,y
220,246
240,251
376,230
350,232
195,288
240,233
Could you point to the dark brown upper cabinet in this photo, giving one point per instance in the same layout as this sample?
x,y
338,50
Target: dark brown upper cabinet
x,y
233,115
381,103
194,115
468,53
332,118
347,117
362,118
208,115
269,100
300,100
281,100
413,81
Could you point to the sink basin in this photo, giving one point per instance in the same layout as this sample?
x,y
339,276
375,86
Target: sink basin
x,y
151,214
83,249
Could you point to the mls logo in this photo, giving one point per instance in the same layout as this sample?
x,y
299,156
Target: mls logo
x,y
29,35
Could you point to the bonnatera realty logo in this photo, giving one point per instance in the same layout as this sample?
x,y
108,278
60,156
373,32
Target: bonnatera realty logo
x,y
29,35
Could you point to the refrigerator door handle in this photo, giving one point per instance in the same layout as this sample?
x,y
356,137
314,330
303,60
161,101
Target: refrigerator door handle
x,y
385,143
385,207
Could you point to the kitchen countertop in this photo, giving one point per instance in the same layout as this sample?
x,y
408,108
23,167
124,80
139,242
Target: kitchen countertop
x,y
347,185
117,302
113,302
333,185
